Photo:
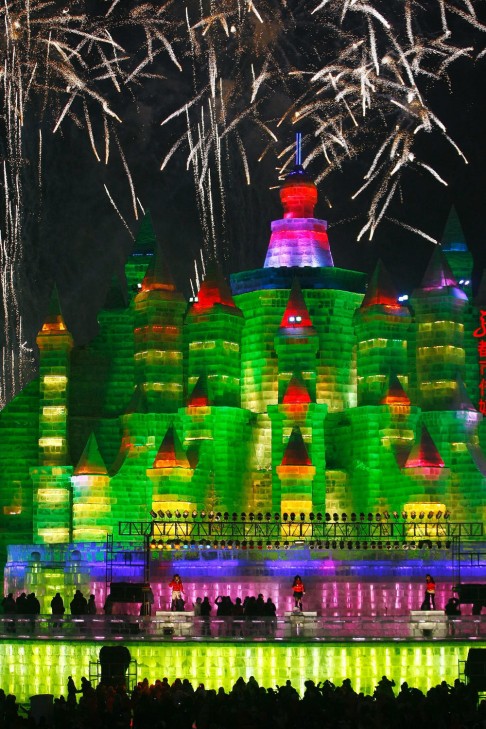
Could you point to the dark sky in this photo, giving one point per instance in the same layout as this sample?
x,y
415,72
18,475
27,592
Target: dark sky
x,y
81,241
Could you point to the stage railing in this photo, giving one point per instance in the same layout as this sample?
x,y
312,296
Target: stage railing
x,y
305,530
182,626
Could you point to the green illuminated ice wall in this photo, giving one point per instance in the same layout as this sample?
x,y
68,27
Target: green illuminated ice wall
x,y
22,666
298,387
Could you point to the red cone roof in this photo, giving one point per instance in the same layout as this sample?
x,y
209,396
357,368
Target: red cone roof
x,y
296,452
91,462
171,454
296,315
424,454
214,290
296,391
381,289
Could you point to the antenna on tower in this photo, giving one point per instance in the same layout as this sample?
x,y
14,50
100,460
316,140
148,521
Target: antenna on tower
x,y
298,149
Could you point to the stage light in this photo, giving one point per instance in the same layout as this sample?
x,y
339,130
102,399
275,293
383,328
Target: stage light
x,y
405,546
396,545
350,545
439,545
153,514
226,516
404,515
160,544
203,514
223,544
168,514
353,516
365,545
215,544
448,545
185,514
358,545
268,516
211,515
259,516
237,544
319,516
319,544
341,545
328,516
413,545
177,544
193,543
422,515
194,514
312,516
327,545
286,545
438,515
251,516
244,544
380,545
218,516
177,514
243,516
202,543
269,545
292,516
370,517
302,516
389,546
344,516
311,545
413,514
373,545
161,513
251,544
153,544
430,515
334,545
234,516
169,545
386,515
335,517
361,516
377,517
277,544
285,516
396,515
447,515
276,517
230,544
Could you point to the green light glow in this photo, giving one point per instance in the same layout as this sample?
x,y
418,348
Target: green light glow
x,y
22,666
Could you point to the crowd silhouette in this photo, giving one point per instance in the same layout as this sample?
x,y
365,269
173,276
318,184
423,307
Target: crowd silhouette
x,y
178,705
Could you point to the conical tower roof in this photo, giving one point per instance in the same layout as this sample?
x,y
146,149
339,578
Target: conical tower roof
x,y
395,395
438,274
158,276
171,453
381,289
138,402
461,399
199,396
214,290
91,462
116,296
296,392
296,452
296,315
54,322
145,240
453,238
424,453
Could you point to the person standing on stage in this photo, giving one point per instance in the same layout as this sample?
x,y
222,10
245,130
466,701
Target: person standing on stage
x,y
429,601
177,604
298,590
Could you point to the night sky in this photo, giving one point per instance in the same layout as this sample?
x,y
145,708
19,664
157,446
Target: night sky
x,y
80,241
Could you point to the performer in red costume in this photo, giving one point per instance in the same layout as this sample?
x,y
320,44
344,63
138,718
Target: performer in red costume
x,y
177,604
298,590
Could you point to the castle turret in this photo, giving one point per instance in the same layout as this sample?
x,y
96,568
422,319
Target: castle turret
x,y
437,336
171,476
296,343
51,478
428,476
159,311
213,328
92,500
381,325
455,249
296,474
299,239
